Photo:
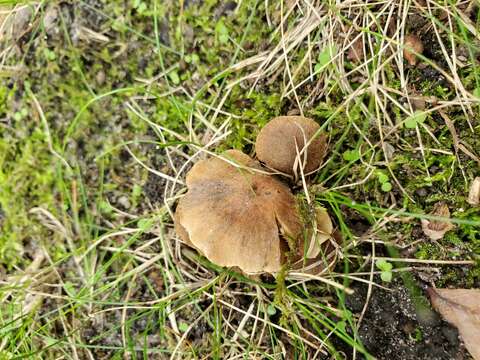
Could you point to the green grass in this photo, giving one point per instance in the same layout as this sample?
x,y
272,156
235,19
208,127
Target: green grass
x,y
89,262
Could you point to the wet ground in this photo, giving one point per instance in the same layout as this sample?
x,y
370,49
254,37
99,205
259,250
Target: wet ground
x,y
394,328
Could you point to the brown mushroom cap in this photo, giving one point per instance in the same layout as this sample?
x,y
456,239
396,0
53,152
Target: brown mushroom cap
x,y
236,216
278,141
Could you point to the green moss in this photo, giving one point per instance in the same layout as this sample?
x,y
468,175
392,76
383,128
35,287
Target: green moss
x,y
253,112
27,175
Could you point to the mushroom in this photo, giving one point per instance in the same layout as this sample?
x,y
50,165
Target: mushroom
x,y
412,47
237,216
287,143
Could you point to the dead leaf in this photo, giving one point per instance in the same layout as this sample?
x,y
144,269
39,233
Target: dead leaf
x,y
474,193
323,233
412,46
356,53
461,308
418,103
436,229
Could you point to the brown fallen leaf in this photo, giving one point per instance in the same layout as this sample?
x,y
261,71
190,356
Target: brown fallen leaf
x,y
461,308
417,100
418,103
474,193
436,229
355,53
412,46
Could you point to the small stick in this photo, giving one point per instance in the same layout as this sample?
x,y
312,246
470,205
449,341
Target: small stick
x,y
420,261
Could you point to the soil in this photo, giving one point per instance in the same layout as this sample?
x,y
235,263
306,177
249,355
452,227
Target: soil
x,y
394,329
154,187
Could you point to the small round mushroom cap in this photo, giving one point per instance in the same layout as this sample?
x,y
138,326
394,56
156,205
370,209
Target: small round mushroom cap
x,y
236,216
283,138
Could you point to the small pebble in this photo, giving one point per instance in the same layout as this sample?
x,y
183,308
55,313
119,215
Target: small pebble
x,y
124,202
100,78
422,192
49,20
474,193
22,20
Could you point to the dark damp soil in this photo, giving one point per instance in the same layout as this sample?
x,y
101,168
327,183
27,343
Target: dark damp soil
x,y
156,187
394,328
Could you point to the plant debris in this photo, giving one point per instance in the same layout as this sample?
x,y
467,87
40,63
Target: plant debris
x,y
474,193
460,307
436,229
412,47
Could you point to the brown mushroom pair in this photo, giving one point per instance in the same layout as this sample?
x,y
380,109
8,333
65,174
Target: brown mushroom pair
x,y
238,215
